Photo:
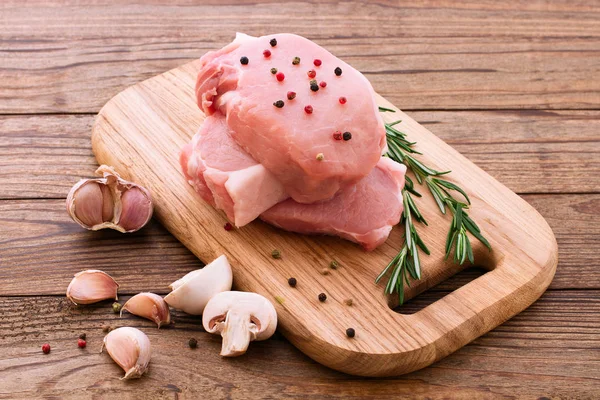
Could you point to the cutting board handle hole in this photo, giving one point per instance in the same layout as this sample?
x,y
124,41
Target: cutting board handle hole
x,y
438,292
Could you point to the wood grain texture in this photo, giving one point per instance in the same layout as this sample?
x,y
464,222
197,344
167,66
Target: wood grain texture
x,y
141,132
38,236
529,151
559,333
440,55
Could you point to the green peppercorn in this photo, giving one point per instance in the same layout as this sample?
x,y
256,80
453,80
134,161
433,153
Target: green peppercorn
x,y
116,307
273,71
296,61
276,254
334,264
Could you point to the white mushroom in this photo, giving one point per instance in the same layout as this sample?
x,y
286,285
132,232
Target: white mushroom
x,y
239,317
191,293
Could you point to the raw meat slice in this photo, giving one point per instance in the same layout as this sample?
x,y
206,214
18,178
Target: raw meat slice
x,y
288,140
226,176
364,213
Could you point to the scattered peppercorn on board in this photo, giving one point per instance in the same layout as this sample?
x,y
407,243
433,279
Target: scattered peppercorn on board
x,y
141,131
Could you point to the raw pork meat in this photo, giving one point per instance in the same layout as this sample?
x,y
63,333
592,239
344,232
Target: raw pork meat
x,y
226,176
237,81
364,213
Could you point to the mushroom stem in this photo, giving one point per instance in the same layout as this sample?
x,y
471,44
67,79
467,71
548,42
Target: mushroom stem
x,y
237,333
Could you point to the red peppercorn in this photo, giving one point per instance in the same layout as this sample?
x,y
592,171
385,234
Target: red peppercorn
x,y
317,62
280,76
227,226
312,73
337,135
81,343
343,100
322,84
308,109
267,53
46,348
291,95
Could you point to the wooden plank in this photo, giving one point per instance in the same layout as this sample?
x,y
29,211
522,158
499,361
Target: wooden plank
x,y
474,55
38,236
528,151
550,350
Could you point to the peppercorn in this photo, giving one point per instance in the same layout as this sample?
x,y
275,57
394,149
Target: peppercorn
x,y
291,95
227,226
279,299
193,343
81,343
106,328
273,71
280,76
46,348
317,62
292,282
276,254
350,332
343,100
347,136
314,87
116,307
267,53
337,71
348,302
334,264
273,42
312,73
82,336
324,271
308,109
322,297
322,84
279,104
296,61
337,135
244,60
320,157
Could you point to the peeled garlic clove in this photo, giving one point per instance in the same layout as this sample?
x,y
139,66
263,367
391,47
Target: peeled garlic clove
x,y
150,306
130,349
91,286
191,293
109,202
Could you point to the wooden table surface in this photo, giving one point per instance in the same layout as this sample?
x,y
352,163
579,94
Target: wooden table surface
x,y
514,86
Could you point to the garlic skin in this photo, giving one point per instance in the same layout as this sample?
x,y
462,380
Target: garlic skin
x,y
109,202
91,286
130,349
150,306
239,317
191,293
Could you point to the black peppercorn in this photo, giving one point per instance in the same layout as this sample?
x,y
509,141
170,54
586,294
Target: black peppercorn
x,y
347,136
244,60
292,282
322,297
337,71
82,336
314,87
273,71
273,42
193,343
350,332
279,104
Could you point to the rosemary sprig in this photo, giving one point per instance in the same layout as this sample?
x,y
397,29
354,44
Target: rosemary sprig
x,y
407,262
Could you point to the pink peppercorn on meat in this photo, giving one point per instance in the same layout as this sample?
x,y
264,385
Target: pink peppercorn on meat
x,y
248,81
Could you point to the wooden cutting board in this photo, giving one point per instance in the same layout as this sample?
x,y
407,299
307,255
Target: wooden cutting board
x,y
141,131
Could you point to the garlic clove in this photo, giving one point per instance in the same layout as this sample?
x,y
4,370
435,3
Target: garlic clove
x,y
109,202
91,286
136,209
150,306
130,349
192,292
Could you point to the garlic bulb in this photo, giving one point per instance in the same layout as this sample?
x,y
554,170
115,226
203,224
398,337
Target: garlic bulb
x,y
150,306
91,286
109,202
191,293
130,349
